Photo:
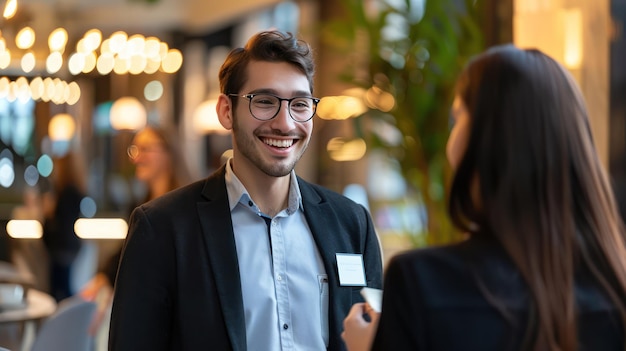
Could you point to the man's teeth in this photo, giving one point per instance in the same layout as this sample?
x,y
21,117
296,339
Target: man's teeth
x,y
279,143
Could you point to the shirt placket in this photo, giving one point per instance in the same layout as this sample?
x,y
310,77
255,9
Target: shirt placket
x,y
281,284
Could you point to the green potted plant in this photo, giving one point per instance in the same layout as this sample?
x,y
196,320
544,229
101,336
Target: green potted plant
x,y
412,51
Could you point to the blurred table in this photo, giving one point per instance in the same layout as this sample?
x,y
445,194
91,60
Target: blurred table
x,y
10,274
38,305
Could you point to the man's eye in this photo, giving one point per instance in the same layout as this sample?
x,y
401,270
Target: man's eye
x,y
263,100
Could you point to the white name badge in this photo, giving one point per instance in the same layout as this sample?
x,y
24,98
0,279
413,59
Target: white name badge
x,y
351,269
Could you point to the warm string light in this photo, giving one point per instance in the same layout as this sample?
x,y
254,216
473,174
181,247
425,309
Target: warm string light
x,y
122,54
10,8
48,89
119,53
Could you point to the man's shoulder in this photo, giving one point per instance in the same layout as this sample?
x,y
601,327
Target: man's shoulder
x,y
181,198
324,193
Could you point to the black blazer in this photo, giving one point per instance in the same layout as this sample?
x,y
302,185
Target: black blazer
x,y
439,299
178,282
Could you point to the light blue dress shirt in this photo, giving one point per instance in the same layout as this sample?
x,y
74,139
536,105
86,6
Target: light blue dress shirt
x,y
283,280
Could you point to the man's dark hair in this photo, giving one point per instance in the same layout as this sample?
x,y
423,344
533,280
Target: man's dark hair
x,y
270,46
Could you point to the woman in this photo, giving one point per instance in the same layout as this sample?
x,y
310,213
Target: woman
x,y
159,165
544,267
61,208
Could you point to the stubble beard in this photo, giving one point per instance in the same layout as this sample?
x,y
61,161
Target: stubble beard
x,y
273,168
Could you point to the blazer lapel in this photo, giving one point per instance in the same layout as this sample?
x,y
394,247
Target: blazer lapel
x,y
321,218
217,228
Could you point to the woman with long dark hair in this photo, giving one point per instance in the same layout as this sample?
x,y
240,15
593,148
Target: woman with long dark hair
x,y
544,267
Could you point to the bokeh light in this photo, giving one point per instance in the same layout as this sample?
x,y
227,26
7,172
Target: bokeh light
x,y
88,207
45,165
31,175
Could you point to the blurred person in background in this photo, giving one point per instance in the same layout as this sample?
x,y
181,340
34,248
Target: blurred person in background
x,y
544,267
160,166
253,256
61,208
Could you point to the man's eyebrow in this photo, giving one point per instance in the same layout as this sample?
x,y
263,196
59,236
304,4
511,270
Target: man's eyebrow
x,y
303,93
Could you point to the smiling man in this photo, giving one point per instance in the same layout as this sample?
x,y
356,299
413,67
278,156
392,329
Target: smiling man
x,y
253,257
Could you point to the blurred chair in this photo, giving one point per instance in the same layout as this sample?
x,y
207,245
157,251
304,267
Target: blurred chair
x,y
84,267
68,328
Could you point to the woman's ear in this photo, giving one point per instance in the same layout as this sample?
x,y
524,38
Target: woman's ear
x,y
224,111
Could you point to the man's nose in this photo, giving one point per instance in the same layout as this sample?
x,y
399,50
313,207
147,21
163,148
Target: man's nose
x,y
283,120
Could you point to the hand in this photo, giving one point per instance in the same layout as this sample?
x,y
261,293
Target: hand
x,y
358,334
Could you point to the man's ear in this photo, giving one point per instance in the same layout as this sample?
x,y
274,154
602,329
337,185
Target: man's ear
x,y
224,111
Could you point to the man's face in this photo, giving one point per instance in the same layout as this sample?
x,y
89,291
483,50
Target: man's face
x,y
275,146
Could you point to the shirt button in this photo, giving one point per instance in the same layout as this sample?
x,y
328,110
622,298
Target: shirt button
x,y
285,326
250,203
279,277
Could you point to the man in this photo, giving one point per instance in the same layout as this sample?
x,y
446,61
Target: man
x,y
253,257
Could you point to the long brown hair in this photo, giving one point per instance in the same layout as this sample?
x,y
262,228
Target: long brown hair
x,y
543,193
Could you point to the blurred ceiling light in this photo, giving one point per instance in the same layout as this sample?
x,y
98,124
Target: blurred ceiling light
x,y
205,118
341,150
24,229
118,53
105,63
101,228
25,38
172,61
117,41
22,89
54,62
152,65
36,88
127,113
135,44
153,90
7,172
57,40
10,8
56,90
379,99
340,107
137,64
92,39
28,62
76,63
61,127
121,65
5,58
90,62
152,47
74,93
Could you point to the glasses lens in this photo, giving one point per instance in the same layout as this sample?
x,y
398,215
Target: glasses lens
x,y
133,152
264,107
302,109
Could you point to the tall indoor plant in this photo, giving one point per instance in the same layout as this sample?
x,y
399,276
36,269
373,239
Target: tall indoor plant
x,y
413,50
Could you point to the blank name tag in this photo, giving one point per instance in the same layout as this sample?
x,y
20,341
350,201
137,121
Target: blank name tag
x,y
351,270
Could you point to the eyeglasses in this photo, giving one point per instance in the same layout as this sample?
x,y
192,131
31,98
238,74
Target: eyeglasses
x,y
266,106
134,151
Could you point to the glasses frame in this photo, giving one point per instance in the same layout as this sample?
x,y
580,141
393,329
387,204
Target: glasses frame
x,y
134,151
280,105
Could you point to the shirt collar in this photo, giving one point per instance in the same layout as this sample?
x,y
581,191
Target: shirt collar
x,y
237,192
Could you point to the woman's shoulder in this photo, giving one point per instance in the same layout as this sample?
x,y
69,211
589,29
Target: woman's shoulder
x,y
458,268
461,254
